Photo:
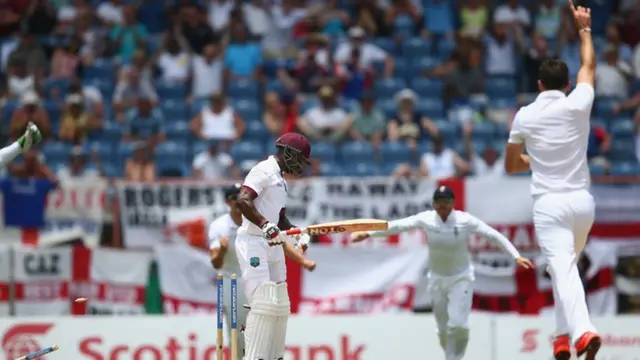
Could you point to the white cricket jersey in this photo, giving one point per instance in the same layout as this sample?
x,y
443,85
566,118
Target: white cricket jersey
x,y
224,226
266,179
447,240
555,131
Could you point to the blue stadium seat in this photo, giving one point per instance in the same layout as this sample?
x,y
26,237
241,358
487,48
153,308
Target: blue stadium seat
x,y
388,107
124,151
396,152
625,169
445,48
357,151
56,88
426,87
104,150
53,110
484,131
448,130
111,132
246,150
387,88
478,146
198,147
330,169
197,105
247,109
363,169
179,131
308,104
431,108
503,103
174,110
172,153
385,44
416,47
623,129
243,89
400,71
105,86
256,130
170,90
420,66
275,85
597,170
424,147
603,107
55,151
270,67
325,152
7,111
404,26
500,87
623,150
100,70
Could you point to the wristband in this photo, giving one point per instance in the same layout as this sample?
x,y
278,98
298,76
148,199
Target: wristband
x,y
263,223
585,30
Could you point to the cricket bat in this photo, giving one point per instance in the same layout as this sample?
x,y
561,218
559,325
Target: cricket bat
x,y
341,226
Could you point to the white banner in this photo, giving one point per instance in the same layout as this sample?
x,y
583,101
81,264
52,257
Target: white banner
x,y
187,279
118,281
350,281
147,208
377,337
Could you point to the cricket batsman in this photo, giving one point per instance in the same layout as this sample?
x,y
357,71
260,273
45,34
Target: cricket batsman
x,y
31,137
450,270
222,235
259,246
554,130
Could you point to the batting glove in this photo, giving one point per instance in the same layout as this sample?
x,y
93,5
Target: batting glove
x,y
272,234
31,137
303,242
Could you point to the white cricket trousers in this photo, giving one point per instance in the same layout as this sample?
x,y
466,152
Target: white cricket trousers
x,y
562,223
259,262
452,298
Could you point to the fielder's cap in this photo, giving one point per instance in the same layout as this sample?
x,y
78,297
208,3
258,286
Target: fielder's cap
x,y
231,192
443,193
296,142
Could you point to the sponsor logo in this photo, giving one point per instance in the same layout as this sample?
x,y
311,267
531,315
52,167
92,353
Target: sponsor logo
x,y
326,230
20,339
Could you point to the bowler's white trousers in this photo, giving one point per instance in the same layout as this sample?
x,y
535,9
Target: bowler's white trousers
x,y
562,223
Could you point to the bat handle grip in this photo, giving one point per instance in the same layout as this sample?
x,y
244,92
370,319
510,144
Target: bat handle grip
x,y
294,231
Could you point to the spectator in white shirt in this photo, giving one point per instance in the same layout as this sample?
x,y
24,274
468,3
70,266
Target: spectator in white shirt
x,y
174,60
278,41
440,163
500,51
213,164
512,13
613,75
219,11
69,12
326,121
257,17
207,70
488,163
369,53
218,121
110,12
77,167
548,19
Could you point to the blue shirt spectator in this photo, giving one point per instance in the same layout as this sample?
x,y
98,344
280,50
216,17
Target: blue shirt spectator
x,y
128,36
24,201
144,123
242,58
438,18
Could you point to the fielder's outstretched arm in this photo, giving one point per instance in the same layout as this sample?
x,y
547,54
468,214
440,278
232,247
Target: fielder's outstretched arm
x,y
9,153
479,227
401,225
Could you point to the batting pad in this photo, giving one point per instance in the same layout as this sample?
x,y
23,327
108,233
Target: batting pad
x,y
280,331
261,331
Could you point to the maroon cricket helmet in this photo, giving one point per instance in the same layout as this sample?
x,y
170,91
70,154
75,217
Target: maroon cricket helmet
x,y
295,151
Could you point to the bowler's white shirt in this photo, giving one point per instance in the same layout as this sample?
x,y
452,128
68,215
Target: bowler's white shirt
x,y
267,181
555,130
224,226
447,240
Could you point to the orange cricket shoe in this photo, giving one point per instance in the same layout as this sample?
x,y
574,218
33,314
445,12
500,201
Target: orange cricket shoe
x,y
589,344
562,347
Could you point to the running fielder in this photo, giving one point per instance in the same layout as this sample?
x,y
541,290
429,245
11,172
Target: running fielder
x,y
554,130
450,269
262,201
222,234
31,137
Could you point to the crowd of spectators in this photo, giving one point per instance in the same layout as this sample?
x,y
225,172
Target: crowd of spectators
x,y
428,88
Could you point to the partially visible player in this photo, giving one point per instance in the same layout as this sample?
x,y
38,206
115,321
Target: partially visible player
x,y
262,201
554,130
31,137
450,270
222,235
